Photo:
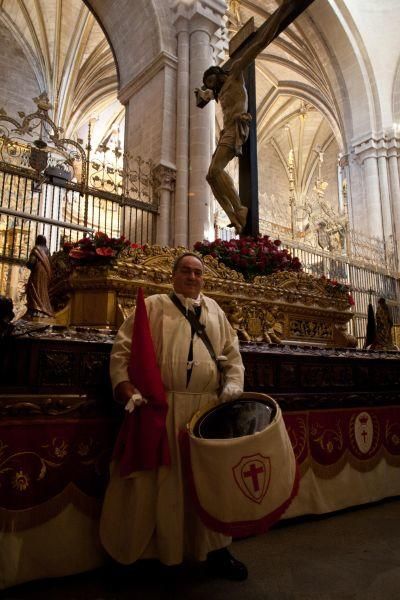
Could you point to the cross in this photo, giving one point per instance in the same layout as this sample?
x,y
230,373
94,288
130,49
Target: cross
x,y
242,208
253,473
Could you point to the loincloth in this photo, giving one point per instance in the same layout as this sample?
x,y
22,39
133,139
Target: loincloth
x,y
236,135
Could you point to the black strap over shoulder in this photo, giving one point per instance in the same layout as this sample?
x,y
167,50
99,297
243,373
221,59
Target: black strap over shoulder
x,y
197,327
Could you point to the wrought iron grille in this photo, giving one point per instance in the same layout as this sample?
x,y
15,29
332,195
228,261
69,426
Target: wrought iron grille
x,y
54,186
51,185
63,214
367,282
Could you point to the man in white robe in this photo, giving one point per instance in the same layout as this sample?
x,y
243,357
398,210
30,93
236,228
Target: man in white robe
x,y
149,514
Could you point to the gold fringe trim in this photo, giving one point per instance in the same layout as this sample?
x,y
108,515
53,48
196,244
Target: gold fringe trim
x,y
392,459
328,471
369,463
19,520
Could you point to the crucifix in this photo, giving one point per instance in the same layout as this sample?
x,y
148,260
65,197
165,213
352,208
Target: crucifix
x,y
233,85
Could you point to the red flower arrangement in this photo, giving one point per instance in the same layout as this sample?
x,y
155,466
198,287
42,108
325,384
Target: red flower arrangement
x,y
251,255
335,288
98,248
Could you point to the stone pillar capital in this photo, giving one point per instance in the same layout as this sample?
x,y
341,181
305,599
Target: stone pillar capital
x,y
181,23
164,177
204,15
376,146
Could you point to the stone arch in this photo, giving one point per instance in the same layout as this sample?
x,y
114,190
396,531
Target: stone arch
x,y
396,98
349,69
137,32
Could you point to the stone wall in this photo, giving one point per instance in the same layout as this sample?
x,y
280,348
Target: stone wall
x,y
18,84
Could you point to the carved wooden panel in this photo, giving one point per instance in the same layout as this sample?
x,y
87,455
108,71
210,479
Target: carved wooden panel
x,y
56,368
310,329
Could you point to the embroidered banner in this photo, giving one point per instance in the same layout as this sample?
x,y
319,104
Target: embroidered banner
x,y
49,463
326,439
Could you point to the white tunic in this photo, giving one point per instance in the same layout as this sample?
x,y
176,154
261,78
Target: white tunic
x,y
149,515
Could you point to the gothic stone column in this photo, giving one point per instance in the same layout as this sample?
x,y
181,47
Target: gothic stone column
x,y
203,19
180,234
378,155
150,101
395,196
385,203
165,184
373,196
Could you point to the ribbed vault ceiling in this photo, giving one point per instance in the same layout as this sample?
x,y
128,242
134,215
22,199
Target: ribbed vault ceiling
x,y
70,57
73,63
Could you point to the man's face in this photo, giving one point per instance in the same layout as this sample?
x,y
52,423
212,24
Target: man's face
x,y
188,277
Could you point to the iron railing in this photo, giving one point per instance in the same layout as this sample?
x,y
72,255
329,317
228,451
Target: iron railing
x,y
56,187
367,282
63,213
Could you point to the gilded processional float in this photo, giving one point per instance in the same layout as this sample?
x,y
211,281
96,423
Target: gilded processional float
x,y
285,306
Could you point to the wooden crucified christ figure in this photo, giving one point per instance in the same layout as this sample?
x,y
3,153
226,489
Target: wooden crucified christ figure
x,y
226,85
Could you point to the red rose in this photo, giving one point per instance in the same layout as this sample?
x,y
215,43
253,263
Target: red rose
x,y
85,241
105,251
80,253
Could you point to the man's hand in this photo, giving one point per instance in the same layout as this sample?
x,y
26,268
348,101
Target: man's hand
x,y
123,392
135,400
126,393
231,391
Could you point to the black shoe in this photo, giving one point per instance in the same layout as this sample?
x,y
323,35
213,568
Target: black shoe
x,y
222,564
171,573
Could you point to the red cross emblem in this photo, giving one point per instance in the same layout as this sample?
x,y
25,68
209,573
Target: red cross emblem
x,y
252,475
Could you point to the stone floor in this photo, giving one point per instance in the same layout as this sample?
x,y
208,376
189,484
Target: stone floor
x,y
352,555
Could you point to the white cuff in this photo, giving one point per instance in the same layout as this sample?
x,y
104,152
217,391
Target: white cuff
x,y
231,391
135,400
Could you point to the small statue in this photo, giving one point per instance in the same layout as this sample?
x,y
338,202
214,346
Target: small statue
x,y
6,316
341,338
273,331
37,288
384,324
235,318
